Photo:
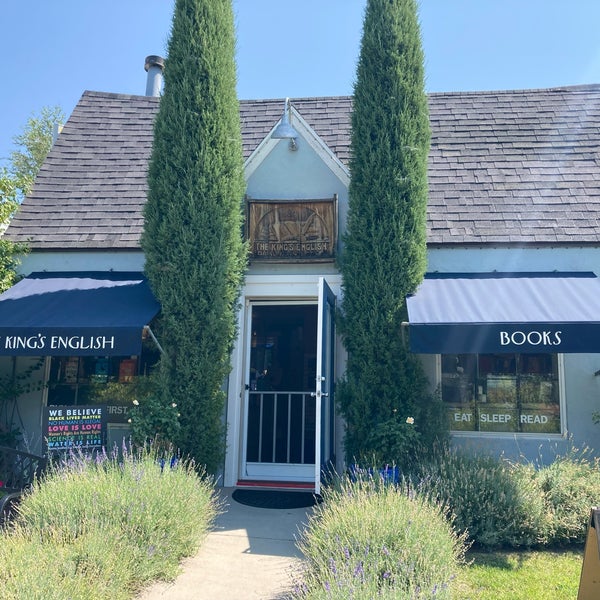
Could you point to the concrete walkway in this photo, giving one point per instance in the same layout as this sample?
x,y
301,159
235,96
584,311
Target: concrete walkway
x,y
249,555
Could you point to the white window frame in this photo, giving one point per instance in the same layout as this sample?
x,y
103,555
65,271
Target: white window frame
x,y
512,434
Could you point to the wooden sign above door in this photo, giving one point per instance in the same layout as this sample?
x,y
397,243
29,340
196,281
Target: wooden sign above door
x,y
292,230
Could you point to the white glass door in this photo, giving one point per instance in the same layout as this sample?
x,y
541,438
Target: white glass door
x,y
324,435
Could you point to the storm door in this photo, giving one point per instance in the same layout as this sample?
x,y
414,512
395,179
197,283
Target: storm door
x,y
280,397
288,396
324,439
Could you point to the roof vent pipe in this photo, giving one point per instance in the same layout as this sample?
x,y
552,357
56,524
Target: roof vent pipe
x,y
154,66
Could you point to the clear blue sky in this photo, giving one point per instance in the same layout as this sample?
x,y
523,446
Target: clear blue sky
x,y
53,50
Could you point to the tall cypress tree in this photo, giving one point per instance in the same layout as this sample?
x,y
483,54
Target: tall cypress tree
x,y
384,256
195,254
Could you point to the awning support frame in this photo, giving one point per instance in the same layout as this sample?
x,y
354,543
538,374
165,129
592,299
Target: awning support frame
x,y
151,334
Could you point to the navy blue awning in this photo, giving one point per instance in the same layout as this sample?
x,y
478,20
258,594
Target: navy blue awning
x,y
505,313
76,314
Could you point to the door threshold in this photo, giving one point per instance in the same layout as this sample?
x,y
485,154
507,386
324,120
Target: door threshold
x,y
276,485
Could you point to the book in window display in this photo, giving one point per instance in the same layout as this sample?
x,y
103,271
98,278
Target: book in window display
x,y
127,370
536,389
101,369
71,370
501,389
457,389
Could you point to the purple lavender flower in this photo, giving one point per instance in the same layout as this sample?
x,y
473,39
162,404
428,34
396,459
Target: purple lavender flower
x,y
332,566
359,570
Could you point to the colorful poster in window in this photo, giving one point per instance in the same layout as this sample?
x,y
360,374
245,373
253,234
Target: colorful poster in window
x,y
67,427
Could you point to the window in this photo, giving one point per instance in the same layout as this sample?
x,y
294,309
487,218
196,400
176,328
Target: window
x,y
516,393
72,379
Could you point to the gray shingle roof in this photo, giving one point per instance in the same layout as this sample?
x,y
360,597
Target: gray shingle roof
x,y
520,167
515,167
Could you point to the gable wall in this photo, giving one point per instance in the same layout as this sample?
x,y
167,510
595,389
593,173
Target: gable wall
x,y
82,261
480,259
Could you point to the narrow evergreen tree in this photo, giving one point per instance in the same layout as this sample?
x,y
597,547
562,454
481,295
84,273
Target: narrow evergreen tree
x,y
384,256
195,254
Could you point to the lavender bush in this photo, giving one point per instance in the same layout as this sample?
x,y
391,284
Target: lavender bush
x,y
103,526
370,540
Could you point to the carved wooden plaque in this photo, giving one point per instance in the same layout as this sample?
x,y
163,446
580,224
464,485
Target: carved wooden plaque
x,y
287,230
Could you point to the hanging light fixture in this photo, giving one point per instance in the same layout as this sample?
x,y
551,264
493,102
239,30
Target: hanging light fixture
x,y
285,131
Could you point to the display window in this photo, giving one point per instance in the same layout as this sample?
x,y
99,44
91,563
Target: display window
x,y
74,380
512,393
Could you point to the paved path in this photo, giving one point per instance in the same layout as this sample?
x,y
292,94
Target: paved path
x,y
249,555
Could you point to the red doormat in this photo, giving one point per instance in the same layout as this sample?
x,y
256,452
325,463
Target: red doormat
x,y
281,499
276,485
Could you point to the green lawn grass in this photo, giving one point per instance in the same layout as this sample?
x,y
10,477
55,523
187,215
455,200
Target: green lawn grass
x,y
541,575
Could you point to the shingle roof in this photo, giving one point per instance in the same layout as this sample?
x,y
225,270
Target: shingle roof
x,y
515,167
91,188
520,167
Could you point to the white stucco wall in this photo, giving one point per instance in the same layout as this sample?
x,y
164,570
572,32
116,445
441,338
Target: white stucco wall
x,y
81,261
290,175
475,259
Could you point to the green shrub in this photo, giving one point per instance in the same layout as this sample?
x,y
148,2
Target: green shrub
x,y
153,418
495,502
370,540
396,442
571,487
103,527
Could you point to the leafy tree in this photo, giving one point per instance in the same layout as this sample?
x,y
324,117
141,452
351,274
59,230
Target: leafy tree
x,y
195,254
384,256
16,181
8,197
33,145
8,251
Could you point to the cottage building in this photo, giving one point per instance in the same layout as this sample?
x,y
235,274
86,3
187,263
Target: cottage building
x,y
507,320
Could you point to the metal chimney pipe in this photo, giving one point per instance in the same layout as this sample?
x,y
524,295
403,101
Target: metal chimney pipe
x,y
154,66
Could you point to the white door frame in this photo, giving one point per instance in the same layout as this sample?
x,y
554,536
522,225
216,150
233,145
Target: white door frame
x,y
284,287
266,471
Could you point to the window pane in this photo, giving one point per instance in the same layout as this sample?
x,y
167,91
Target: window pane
x,y
501,392
538,394
459,373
